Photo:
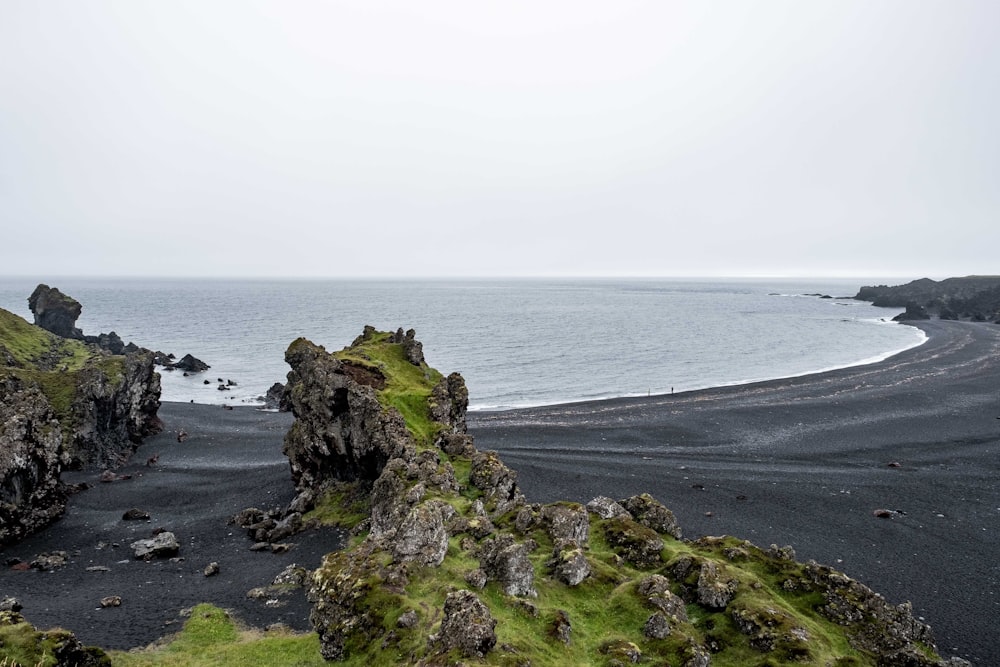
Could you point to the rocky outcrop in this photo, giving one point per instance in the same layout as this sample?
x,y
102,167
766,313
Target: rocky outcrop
x,y
63,404
114,409
970,297
55,312
340,431
442,517
191,364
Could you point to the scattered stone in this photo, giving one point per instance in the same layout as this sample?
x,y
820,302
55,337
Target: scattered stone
x,y
211,569
260,546
283,547
49,561
882,514
893,464
135,515
98,568
163,545
111,601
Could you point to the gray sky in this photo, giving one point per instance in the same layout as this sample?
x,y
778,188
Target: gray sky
x,y
500,138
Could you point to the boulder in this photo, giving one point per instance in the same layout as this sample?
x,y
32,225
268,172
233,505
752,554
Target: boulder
x,y
566,522
55,311
274,399
191,364
606,508
637,544
422,536
497,482
651,513
163,545
466,625
505,560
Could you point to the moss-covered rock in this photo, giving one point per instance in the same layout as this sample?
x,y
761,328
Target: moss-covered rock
x,y
63,404
22,644
442,521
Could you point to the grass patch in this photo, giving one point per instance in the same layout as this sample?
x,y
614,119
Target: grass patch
x,y
30,345
345,505
408,387
211,638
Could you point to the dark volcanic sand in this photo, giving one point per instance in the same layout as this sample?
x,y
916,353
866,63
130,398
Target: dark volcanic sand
x,y
800,461
231,460
804,461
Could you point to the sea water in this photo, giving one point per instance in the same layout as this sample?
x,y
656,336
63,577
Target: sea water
x,y
517,342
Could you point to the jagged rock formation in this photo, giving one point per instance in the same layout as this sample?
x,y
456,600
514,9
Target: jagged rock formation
x,y
55,311
63,404
971,297
31,457
451,564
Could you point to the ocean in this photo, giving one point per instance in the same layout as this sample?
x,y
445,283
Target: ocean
x,y
517,342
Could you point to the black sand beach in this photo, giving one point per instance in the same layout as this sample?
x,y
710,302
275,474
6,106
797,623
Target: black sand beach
x,y
805,462
802,461
230,460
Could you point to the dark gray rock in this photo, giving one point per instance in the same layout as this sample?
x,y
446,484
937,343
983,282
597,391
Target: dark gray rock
x,y
606,508
163,545
422,536
715,590
191,364
467,625
31,460
497,482
651,513
55,311
506,561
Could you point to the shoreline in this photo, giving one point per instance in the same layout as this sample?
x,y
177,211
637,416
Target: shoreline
x,y
800,461
867,361
806,461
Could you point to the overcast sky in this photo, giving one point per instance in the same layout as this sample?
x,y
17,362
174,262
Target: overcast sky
x,y
530,138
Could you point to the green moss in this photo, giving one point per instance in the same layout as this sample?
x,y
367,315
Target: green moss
x,y
408,388
211,638
22,645
346,504
29,345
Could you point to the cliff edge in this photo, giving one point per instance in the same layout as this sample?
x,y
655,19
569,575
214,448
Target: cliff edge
x,y
63,404
971,297
450,564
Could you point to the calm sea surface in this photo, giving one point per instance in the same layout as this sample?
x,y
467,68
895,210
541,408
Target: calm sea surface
x,y
516,342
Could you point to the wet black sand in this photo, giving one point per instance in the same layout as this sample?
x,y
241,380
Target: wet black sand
x,y
801,461
805,462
